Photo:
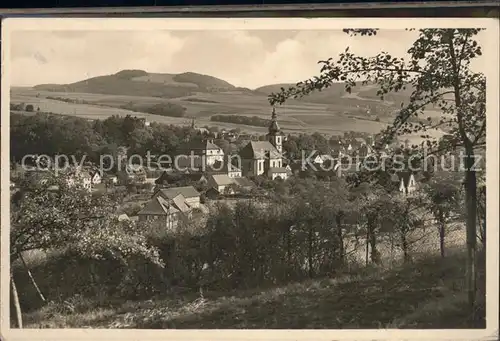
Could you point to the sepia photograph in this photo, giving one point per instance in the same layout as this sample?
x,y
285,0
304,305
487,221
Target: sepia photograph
x,y
256,174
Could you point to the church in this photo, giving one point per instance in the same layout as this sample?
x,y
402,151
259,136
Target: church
x,y
265,157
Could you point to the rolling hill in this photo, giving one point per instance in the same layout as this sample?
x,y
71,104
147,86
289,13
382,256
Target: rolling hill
x,y
164,85
142,83
331,111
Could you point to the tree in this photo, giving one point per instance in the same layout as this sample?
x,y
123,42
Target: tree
x,y
29,108
481,208
290,148
405,216
443,200
437,71
69,218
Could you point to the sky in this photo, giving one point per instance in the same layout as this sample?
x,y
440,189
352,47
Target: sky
x,y
249,59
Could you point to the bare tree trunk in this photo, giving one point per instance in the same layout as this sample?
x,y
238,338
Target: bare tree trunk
x,y
367,247
441,238
374,255
470,202
404,246
17,305
32,278
481,219
310,252
340,237
392,250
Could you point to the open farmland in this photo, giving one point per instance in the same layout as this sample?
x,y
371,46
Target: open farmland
x,y
329,112
294,116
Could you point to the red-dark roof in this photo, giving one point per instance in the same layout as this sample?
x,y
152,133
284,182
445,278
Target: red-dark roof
x,y
259,150
186,191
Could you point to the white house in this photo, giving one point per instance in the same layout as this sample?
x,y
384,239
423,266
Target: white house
x,y
219,182
82,178
278,172
406,182
206,149
95,177
225,167
113,179
233,171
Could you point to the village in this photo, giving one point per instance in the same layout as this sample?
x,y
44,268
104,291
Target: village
x,y
336,179
204,175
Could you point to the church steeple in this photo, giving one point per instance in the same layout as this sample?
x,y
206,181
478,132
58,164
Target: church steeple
x,y
274,127
274,136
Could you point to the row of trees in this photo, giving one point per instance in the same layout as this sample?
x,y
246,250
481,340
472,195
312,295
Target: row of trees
x,y
305,229
239,119
162,109
56,134
437,70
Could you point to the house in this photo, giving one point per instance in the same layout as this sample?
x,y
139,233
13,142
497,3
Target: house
x,y
152,176
212,193
203,131
207,150
258,157
111,179
166,212
145,122
86,181
95,176
136,173
163,179
244,183
406,181
219,182
364,150
123,217
197,178
233,171
170,178
189,193
76,176
225,167
278,172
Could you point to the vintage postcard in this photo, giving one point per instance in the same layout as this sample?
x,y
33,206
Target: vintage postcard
x,y
245,179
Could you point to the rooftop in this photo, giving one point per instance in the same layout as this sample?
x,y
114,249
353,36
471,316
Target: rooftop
x,y
222,179
259,150
277,170
186,191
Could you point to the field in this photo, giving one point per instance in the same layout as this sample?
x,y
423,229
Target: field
x,y
293,117
330,112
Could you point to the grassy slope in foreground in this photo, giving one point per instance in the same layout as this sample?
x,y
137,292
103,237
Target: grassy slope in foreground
x,y
427,294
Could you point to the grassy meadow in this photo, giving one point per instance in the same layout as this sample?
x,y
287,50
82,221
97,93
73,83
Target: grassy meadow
x,y
295,117
426,294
